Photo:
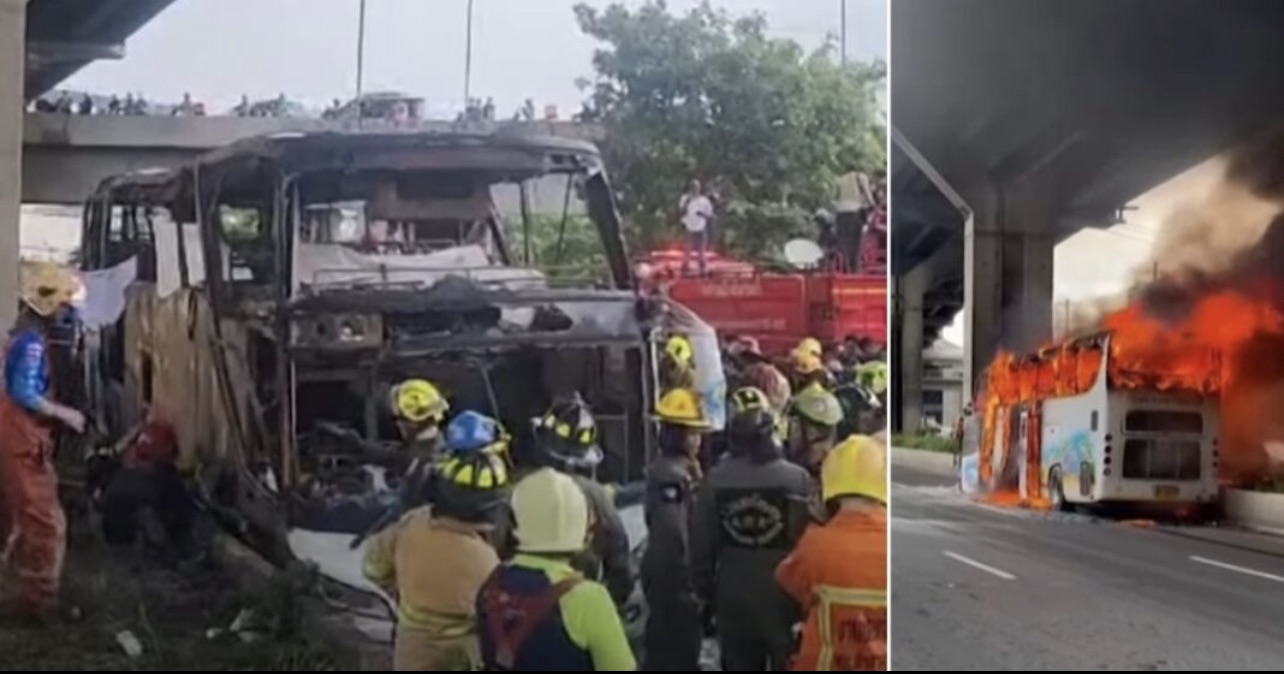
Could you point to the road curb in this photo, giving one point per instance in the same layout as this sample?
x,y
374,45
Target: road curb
x,y
936,463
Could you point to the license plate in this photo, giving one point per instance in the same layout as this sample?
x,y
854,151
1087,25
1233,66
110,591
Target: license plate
x,y
1167,492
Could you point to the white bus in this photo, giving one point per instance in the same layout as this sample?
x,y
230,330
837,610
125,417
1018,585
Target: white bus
x,y
1106,444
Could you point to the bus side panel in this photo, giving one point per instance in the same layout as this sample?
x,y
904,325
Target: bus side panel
x,y
1071,435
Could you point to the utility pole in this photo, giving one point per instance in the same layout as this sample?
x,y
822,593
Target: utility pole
x,y
361,46
842,32
468,57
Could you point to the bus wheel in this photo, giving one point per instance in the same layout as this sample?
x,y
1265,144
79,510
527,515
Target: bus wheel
x,y
1056,494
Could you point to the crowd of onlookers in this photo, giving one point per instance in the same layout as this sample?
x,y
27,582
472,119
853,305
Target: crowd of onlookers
x,y
80,103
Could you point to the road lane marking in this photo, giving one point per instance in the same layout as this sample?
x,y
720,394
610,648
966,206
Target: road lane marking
x,y
1238,569
984,567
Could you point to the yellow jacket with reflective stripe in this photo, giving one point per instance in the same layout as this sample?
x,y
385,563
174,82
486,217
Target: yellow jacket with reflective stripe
x,y
838,574
435,567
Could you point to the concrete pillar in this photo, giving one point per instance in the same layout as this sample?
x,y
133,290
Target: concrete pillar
x,y
1008,258
13,29
910,289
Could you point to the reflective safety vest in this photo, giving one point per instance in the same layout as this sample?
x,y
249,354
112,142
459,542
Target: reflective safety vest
x,y
520,624
852,629
838,574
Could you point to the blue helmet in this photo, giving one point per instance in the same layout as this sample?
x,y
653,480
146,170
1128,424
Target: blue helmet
x,y
471,431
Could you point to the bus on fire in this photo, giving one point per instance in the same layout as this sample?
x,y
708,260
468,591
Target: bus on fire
x,y
1068,427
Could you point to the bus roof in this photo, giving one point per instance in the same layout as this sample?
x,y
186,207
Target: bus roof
x,y
304,152
150,184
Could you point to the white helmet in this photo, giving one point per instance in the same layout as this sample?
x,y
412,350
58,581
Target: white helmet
x,y
551,513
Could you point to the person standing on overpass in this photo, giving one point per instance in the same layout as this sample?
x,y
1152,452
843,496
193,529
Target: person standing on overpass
x,y
838,572
697,213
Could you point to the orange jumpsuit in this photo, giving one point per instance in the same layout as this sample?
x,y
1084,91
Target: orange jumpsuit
x,y
36,529
838,574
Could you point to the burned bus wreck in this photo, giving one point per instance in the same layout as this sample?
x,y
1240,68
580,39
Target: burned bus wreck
x,y
315,271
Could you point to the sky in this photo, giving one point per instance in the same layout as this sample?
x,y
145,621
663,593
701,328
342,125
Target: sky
x,y
220,49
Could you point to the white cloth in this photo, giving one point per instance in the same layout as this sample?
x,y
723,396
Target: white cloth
x,y
696,211
105,293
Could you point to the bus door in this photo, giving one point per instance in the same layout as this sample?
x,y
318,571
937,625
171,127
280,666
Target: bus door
x,y
1010,469
1031,453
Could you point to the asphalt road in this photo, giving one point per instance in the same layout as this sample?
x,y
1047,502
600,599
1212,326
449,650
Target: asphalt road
x,y
978,588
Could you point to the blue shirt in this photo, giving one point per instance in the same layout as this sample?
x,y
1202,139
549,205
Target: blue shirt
x,y
26,371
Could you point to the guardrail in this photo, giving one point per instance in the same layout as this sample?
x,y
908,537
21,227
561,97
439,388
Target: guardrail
x,y
1260,510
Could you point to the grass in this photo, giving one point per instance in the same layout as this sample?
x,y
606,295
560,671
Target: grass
x,y
926,441
181,619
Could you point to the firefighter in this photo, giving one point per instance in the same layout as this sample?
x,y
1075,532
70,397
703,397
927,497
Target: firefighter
x,y
673,631
419,408
838,572
677,364
566,440
814,416
29,415
435,560
748,515
808,368
536,613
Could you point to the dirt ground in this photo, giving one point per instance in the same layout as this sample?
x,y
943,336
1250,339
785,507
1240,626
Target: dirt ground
x,y
179,615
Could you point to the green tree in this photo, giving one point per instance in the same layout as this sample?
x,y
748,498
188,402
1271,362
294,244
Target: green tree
x,y
704,95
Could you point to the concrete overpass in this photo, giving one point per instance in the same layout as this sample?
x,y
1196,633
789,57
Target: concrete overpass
x,y
66,156
42,42
1019,122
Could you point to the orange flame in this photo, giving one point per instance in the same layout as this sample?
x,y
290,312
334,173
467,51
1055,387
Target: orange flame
x,y
1229,344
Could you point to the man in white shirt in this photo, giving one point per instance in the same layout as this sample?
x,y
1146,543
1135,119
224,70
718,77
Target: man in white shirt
x,y
697,211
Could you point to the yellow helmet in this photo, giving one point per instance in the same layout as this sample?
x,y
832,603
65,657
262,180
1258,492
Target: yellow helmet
x,y
551,513
857,466
810,346
681,407
806,362
418,400
679,349
47,287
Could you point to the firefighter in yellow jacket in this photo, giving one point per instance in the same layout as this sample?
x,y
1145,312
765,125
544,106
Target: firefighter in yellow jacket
x,y
436,558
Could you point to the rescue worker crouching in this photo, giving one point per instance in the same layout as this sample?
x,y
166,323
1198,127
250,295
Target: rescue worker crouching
x,y
565,439
536,613
673,630
749,513
145,488
435,560
838,572
29,415
419,408
814,416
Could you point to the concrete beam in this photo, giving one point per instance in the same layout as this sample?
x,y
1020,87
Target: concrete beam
x,y
119,132
910,289
67,156
45,52
1008,272
13,29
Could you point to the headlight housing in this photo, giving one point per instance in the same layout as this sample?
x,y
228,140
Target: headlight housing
x,y
338,331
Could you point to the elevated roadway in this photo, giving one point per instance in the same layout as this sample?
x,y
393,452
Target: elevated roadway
x,y
978,588
66,156
1019,122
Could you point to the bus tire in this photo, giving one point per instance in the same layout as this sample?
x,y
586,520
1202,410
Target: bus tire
x,y
1056,494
